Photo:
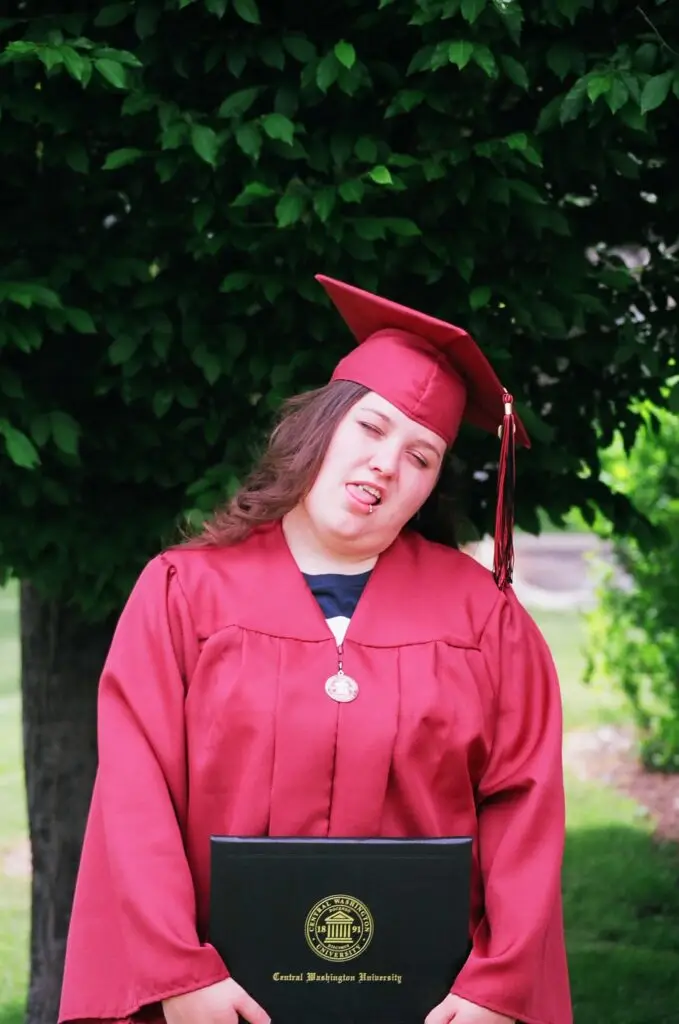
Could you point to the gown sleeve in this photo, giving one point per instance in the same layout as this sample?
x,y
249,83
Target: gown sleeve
x,y
132,937
517,965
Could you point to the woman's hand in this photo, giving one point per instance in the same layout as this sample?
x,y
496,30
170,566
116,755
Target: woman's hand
x,y
461,1011
215,1004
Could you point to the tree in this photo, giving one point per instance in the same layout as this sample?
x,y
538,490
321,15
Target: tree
x,y
174,173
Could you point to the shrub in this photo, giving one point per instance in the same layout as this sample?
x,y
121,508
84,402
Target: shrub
x,y
633,634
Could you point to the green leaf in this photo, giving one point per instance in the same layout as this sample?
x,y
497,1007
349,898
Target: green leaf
x,y
484,58
324,203
272,54
208,363
249,139
617,96
573,101
402,226
217,7
20,449
41,429
465,266
404,102
549,115
204,142
480,297
515,71
236,281
512,16
77,157
247,10
301,48
421,61
525,190
112,14
289,210
236,61
121,158
162,400
352,191
80,320
598,85
547,317
77,66
381,175
327,72
139,103
11,385
645,57
203,212
518,140
460,53
112,71
369,228
66,432
472,9
122,349
656,90
366,149
286,101
559,59
50,56
277,126
120,56
28,294
345,54
617,278
253,191
146,20
239,102
174,135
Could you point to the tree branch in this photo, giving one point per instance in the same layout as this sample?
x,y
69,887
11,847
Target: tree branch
x,y
655,30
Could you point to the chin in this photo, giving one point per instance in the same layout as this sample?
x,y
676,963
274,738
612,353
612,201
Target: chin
x,y
346,526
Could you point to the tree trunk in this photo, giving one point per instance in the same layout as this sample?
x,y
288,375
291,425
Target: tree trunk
x,y
61,660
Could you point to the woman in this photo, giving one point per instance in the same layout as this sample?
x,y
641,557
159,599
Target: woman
x,y
312,666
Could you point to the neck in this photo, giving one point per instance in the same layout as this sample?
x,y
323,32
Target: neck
x,y
313,555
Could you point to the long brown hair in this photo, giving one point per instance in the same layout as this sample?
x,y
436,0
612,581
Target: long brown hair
x,y
290,463
288,467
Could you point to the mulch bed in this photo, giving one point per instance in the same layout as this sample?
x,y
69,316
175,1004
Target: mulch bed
x,y
609,756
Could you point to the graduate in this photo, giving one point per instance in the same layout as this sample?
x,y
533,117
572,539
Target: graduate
x,y
311,665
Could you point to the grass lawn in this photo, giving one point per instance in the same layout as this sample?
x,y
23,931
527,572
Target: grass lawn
x,y
620,888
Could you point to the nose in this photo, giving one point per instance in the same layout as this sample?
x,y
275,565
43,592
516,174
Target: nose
x,y
385,459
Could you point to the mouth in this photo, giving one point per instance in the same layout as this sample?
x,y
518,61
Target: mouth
x,y
365,495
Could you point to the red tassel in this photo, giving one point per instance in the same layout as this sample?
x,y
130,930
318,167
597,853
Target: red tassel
x,y
503,561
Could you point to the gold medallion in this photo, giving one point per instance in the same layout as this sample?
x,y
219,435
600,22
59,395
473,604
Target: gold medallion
x,y
341,688
339,928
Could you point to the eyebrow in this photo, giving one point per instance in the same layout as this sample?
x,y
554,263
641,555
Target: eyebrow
x,y
387,419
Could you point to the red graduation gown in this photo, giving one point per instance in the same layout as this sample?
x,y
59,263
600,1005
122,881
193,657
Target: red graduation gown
x,y
213,718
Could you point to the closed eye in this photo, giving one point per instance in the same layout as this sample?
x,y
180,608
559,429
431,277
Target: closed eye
x,y
370,427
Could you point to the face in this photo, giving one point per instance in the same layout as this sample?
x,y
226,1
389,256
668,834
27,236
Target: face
x,y
378,471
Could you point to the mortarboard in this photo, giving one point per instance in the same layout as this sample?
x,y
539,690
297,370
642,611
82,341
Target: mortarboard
x,y
437,375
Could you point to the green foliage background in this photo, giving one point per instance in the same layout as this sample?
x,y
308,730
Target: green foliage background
x,y
174,173
633,640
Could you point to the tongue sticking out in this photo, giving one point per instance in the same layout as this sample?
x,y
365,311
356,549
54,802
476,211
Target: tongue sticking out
x,y
361,495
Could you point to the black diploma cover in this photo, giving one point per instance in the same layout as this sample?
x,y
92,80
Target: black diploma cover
x,y
353,931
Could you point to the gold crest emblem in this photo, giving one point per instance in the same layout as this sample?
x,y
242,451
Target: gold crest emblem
x,y
339,928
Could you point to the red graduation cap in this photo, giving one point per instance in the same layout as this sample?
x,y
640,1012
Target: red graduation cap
x,y
436,374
